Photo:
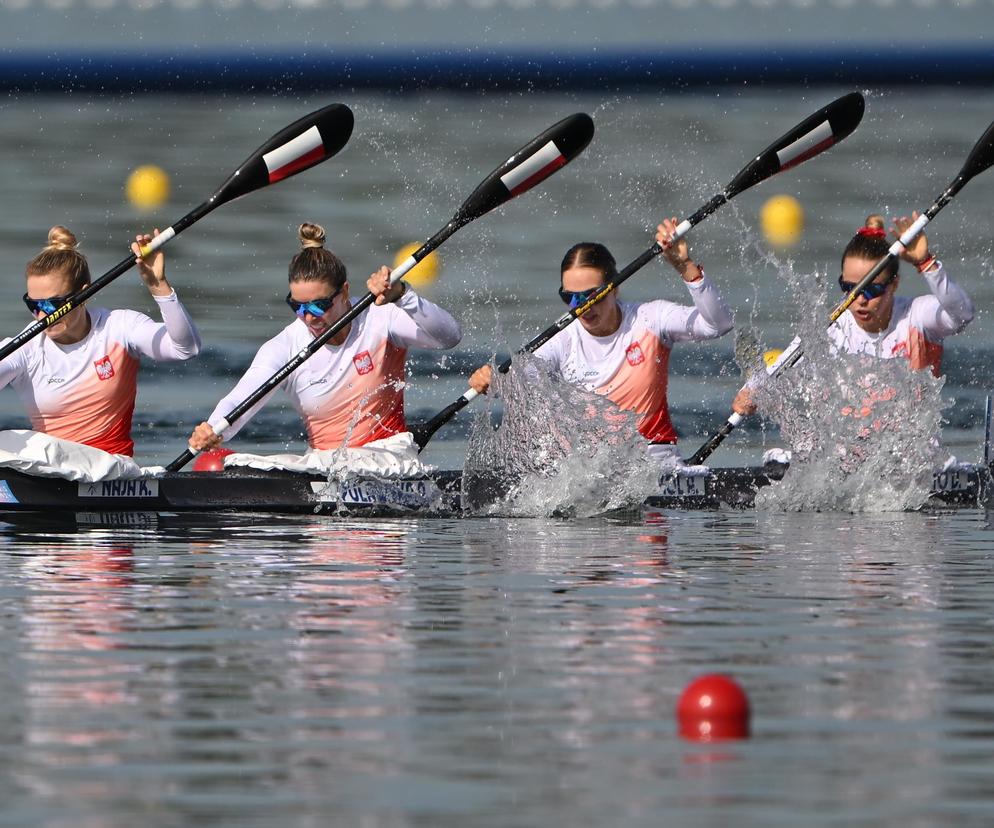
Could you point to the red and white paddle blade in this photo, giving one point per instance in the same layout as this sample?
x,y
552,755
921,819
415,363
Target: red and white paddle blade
x,y
815,134
530,165
298,147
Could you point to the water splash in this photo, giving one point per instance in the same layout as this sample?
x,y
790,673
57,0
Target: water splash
x,y
863,431
559,450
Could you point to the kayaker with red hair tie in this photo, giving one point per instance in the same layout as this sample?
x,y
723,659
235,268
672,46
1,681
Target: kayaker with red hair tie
x,y
882,324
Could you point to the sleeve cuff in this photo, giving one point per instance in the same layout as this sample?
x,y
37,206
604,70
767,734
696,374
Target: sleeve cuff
x,y
409,301
169,297
697,284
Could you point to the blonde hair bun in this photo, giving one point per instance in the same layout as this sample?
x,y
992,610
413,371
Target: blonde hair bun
x,y
60,238
310,235
875,221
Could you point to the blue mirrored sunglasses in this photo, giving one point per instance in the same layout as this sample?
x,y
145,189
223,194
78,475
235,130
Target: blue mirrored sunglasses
x,y
45,306
316,307
577,298
874,290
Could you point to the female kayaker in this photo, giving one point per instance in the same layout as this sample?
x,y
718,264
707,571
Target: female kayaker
x,y
621,349
79,381
351,392
882,324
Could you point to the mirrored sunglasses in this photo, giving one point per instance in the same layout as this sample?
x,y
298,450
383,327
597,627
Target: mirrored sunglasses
x,y
316,307
45,306
578,298
874,290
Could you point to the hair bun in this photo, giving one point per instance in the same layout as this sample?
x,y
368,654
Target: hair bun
x,y
311,235
60,238
873,227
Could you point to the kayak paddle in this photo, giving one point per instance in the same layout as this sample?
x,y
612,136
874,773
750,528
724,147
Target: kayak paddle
x,y
302,145
812,136
530,165
980,158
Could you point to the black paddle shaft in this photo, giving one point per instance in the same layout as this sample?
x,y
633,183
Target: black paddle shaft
x,y
533,163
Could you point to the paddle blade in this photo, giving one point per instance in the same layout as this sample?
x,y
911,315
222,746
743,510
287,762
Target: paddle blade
x,y
531,164
303,144
815,134
980,157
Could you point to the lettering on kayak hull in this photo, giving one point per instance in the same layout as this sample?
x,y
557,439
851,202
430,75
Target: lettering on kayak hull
x,y
120,488
412,494
683,484
953,480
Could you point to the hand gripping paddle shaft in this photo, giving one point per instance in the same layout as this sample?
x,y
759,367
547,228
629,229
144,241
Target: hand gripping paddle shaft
x,y
812,136
981,157
530,165
309,141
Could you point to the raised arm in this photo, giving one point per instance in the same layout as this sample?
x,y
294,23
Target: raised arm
x,y
420,323
176,338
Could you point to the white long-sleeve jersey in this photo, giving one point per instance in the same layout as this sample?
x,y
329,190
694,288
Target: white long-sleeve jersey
x,y
631,366
85,392
353,393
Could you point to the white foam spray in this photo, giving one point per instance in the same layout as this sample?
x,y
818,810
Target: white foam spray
x,y
559,450
863,431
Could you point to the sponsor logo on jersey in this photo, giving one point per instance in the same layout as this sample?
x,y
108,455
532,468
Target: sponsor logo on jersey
x,y
56,380
634,354
105,368
363,362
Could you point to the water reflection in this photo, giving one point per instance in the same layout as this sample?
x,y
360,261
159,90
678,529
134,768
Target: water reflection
x,y
279,669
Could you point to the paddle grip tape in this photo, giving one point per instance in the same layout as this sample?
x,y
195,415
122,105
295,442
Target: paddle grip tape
x,y
909,235
398,272
681,230
735,419
222,426
158,241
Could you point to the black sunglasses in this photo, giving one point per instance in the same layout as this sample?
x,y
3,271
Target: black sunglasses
x,y
45,306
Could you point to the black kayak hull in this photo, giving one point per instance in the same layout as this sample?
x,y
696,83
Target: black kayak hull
x,y
244,490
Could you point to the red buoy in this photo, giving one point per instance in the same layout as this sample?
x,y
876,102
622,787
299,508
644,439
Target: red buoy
x,y
712,708
212,460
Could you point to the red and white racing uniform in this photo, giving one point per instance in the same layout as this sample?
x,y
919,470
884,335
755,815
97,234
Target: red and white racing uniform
x,y
917,326
349,394
631,366
85,392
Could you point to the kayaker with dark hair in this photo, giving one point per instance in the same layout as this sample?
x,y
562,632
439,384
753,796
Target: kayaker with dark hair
x,y
621,349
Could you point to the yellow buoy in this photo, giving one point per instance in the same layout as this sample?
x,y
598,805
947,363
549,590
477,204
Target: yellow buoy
x,y
147,187
424,272
782,220
771,356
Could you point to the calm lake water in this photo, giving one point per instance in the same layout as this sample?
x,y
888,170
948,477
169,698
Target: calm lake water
x,y
246,670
